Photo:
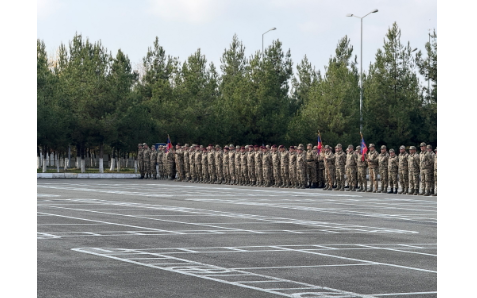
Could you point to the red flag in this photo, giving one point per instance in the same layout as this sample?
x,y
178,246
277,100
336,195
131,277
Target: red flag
x,y
169,144
364,149
318,147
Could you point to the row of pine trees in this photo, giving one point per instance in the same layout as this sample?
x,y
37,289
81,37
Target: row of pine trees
x,y
90,99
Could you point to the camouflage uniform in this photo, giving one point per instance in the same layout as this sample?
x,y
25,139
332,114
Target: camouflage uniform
x,y
351,163
160,162
362,166
232,164
170,164
140,160
403,170
383,159
284,167
243,167
320,177
340,163
205,166
373,163
329,159
310,167
393,167
153,161
425,164
211,164
431,169
267,168
251,165
165,164
198,165
219,167
147,163
187,152
413,163
179,160
238,172
301,168
226,165
258,167
192,170
292,168
276,167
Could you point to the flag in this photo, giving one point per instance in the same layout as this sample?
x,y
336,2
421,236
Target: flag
x,y
169,144
318,147
364,149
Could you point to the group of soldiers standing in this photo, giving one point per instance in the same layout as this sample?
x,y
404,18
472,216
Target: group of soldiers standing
x,y
295,167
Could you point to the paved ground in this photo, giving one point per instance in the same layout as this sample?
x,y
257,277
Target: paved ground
x,y
137,238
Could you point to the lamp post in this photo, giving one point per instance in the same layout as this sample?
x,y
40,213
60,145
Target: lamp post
x,y
274,28
361,70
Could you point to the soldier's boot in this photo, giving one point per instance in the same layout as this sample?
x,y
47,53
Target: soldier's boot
x,y
326,187
432,192
155,177
395,190
402,191
349,188
302,186
427,193
370,188
365,188
435,193
423,192
406,191
416,191
337,187
342,187
391,190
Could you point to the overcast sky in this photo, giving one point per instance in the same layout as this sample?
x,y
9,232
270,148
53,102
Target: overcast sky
x,y
306,27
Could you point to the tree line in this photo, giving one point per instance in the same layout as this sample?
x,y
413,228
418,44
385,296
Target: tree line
x,y
93,100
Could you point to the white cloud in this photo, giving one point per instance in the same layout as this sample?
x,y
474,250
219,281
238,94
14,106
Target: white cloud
x,y
191,11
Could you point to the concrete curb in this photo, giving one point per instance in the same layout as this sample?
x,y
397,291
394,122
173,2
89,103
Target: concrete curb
x,y
86,176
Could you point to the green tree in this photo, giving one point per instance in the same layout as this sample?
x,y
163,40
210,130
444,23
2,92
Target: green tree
x,y
331,103
391,94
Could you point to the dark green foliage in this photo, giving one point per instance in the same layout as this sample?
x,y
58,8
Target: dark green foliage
x,y
87,97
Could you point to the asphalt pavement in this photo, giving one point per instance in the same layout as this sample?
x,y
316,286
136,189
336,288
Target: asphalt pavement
x,y
152,238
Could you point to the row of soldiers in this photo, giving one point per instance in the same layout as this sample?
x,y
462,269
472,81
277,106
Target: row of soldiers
x,y
266,166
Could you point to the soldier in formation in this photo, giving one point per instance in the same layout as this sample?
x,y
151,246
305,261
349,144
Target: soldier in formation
x,y
267,166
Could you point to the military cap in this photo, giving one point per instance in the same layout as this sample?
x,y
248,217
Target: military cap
x,y
186,145
231,145
237,147
246,146
140,144
201,146
217,146
144,144
281,146
429,146
350,146
358,147
339,146
226,147
292,147
255,146
300,145
327,147
309,144
371,145
402,147
274,146
423,144
412,147
242,147
267,146
391,150
160,146
314,147
383,147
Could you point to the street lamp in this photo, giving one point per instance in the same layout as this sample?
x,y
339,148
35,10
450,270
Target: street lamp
x,y
274,28
361,70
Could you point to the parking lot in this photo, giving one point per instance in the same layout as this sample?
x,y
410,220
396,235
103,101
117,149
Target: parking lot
x,y
150,238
